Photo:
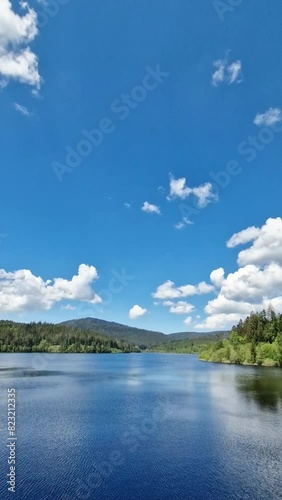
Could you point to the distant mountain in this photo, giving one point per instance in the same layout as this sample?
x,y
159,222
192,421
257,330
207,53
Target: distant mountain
x,y
136,336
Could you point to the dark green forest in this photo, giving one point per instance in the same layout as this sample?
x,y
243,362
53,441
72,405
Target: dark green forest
x,y
191,345
255,341
136,336
47,337
145,339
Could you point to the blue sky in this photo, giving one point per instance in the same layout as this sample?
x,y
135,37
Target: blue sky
x,y
183,106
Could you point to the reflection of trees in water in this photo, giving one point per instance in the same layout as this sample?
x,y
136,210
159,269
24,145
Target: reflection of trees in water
x,y
265,389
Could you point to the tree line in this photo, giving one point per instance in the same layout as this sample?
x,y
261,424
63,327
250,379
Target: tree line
x,y
48,337
256,341
191,345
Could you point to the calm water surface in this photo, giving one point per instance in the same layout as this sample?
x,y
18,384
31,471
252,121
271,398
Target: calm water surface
x,y
141,426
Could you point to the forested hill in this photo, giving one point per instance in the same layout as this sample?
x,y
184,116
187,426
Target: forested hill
x,y
46,337
92,335
135,336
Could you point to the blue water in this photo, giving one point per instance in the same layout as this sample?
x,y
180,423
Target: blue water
x,y
141,426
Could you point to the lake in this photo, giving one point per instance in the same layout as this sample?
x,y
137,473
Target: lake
x,y
141,426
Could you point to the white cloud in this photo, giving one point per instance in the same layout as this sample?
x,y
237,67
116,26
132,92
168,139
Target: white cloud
x,y
22,291
270,117
200,289
168,290
178,188
219,74
203,288
188,320
266,246
217,277
219,322
21,109
256,283
150,209
227,305
227,73
137,311
250,288
245,236
204,194
17,61
181,307
234,71
127,205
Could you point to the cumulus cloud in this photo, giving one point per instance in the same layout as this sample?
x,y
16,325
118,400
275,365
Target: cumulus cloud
x,y
167,303
218,322
204,194
150,209
217,277
22,291
187,321
250,288
137,311
255,284
178,188
168,290
181,307
17,61
266,245
176,307
270,117
245,236
226,73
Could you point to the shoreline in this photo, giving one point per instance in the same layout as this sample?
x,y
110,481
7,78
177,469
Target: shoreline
x,y
239,364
